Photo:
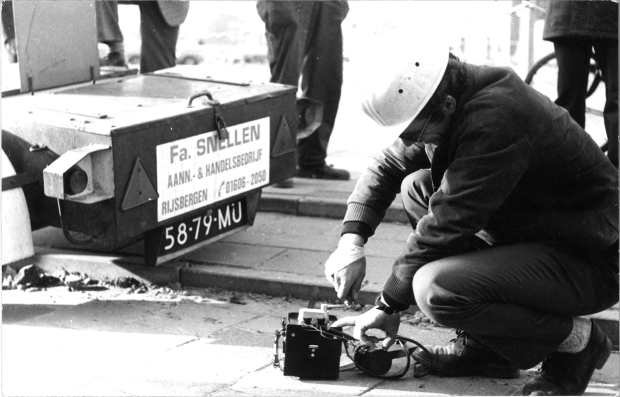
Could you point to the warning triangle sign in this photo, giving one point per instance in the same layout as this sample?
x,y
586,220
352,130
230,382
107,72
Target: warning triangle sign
x,y
285,142
140,190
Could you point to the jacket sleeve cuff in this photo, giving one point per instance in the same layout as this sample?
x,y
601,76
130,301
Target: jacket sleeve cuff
x,y
357,212
359,228
399,307
399,291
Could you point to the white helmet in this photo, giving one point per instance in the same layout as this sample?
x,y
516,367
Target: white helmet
x,y
403,79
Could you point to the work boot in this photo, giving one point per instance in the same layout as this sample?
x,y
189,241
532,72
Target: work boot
x,y
323,172
568,374
465,356
114,58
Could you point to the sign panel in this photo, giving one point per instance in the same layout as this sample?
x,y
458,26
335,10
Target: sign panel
x,y
201,170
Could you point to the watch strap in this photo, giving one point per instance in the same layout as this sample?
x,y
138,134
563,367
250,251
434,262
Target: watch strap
x,y
383,307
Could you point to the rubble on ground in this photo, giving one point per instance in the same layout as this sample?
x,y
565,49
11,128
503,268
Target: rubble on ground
x,y
28,276
30,279
418,319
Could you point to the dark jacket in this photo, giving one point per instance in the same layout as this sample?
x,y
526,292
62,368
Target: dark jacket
x,y
592,19
515,167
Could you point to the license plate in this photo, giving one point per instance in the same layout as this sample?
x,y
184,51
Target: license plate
x,y
201,227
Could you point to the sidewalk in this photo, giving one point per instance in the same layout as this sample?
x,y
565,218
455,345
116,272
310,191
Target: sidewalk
x,y
84,343
193,343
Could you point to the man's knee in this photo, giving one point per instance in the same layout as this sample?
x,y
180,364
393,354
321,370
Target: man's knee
x,y
416,191
424,288
431,288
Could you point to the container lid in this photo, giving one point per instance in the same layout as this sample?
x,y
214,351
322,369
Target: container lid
x,y
56,43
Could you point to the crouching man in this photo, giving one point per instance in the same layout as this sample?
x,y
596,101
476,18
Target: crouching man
x,y
514,211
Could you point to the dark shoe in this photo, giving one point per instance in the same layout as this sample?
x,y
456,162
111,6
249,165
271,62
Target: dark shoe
x,y
323,172
114,58
285,184
568,374
465,356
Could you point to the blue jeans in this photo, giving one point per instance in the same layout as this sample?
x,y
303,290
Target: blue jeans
x,y
518,299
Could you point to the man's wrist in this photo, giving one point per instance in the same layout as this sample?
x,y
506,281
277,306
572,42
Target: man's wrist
x,y
380,304
352,238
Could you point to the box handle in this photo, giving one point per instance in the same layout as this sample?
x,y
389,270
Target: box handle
x,y
220,124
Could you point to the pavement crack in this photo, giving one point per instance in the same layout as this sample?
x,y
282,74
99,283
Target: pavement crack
x,y
184,343
370,388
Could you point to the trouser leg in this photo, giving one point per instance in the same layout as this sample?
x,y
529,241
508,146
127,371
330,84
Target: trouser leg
x,y
286,31
8,25
518,299
159,40
573,59
606,54
108,30
322,76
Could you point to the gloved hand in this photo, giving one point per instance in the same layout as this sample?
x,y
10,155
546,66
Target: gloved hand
x,y
346,267
373,318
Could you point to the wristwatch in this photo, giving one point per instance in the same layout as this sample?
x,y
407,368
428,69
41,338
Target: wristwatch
x,y
380,305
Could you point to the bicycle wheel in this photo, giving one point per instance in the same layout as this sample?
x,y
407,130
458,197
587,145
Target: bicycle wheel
x,y
542,62
543,76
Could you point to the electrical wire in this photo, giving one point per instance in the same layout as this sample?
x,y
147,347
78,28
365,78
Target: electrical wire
x,y
332,333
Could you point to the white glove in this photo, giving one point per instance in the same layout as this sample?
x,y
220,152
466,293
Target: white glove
x,y
345,254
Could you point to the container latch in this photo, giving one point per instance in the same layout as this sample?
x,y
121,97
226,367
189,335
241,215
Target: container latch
x,y
220,124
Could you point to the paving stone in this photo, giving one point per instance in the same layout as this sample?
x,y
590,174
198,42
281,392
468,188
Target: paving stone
x,y
279,203
298,261
165,317
227,392
384,248
194,369
61,359
310,242
277,224
271,382
393,231
233,254
257,332
325,207
14,314
434,385
378,270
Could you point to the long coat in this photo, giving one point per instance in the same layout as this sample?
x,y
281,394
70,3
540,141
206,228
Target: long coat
x,y
593,19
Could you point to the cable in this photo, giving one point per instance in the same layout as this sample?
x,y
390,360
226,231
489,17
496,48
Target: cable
x,y
350,340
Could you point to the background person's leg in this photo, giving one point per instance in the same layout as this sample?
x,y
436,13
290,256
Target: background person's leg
x,y
322,76
517,299
286,31
108,29
8,30
109,33
606,54
159,40
573,59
